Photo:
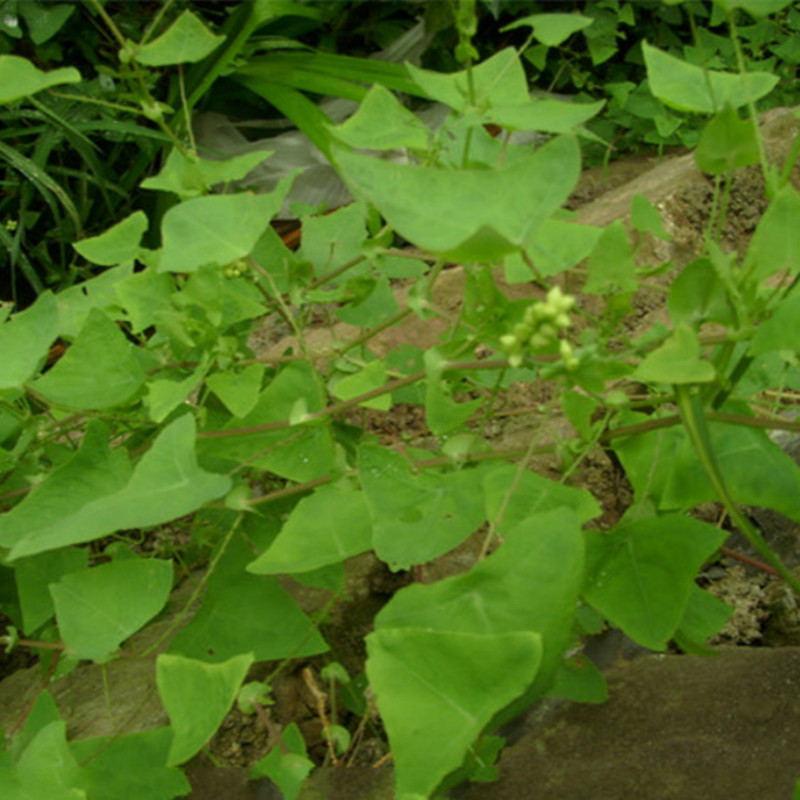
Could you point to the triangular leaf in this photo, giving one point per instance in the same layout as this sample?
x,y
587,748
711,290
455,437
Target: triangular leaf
x,y
552,29
498,80
186,41
687,87
219,630
646,573
328,527
611,263
382,122
776,242
550,116
33,575
181,681
436,691
782,330
217,229
238,390
98,608
524,196
727,143
19,78
165,484
417,517
677,360
191,177
100,370
530,584
25,339
118,244
131,765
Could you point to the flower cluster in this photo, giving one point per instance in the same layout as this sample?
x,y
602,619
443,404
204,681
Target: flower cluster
x,y
236,269
540,328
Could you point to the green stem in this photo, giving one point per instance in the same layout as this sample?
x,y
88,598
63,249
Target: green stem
x,y
791,159
769,181
694,421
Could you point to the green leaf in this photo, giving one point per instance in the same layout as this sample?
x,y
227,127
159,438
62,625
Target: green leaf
x,y
726,144
646,219
130,765
437,690
42,712
550,116
331,525
332,240
611,263
704,617
94,470
20,78
687,87
100,370
25,339
776,241
524,196
143,295
442,413
646,572
552,29
756,8
223,301
365,380
287,768
34,574
272,255
292,452
238,390
676,361
219,630
99,608
533,494
579,680
186,40
165,484
697,295
189,176
554,247
118,244
46,768
75,303
530,584
222,627
781,331
217,229
500,80
377,305
417,517
44,21
757,472
579,408
164,396
181,681
382,122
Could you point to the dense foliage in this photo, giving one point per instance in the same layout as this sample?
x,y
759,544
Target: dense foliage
x,y
131,400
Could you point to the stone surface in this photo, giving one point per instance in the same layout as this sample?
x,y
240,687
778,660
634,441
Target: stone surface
x,y
674,727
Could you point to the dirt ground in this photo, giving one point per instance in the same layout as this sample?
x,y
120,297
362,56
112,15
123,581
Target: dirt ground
x,y
675,726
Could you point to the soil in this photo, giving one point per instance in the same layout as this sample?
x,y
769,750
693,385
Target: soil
x,y
675,726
